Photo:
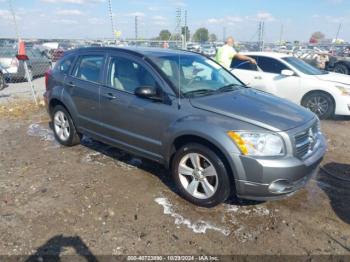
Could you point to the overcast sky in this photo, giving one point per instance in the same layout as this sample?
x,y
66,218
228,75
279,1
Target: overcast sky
x,y
90,18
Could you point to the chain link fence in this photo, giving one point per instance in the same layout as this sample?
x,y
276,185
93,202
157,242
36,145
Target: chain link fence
x,y
15,81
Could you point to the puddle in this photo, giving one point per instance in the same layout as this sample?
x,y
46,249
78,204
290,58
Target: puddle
x,y
244,223
44,133
248,222
199,226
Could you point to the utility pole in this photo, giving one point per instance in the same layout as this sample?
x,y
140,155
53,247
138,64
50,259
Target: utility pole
x,y
185,31
14,19
337,35
111,17
178,23
261,35
136,28
281,35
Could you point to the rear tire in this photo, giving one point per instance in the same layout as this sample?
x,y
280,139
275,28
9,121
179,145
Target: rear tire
x,y
205,183
319,103
341,69
64,128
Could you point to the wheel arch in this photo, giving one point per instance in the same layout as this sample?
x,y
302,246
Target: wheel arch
x,y
318,91
55,102
184,139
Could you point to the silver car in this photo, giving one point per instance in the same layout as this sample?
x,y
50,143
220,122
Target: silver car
x,y
185,111
38,63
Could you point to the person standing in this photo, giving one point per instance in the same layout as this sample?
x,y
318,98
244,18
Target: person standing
x,y
227,53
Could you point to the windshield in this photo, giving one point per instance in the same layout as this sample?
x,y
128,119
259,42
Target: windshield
x,y
196,75
303,66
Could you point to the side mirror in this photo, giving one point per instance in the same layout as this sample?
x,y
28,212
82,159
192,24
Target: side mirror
x,y
148,92
287,72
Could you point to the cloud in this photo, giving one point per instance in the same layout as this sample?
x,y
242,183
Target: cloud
x,y
72,1
265,16
140,14
229,19
337,19
65,21
215,20
64,12
159,18
96,21
7,16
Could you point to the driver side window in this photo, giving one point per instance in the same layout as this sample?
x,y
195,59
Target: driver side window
x,y
270,65
243,65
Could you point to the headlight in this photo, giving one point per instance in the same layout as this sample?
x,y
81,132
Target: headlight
x,y
344,90
258,144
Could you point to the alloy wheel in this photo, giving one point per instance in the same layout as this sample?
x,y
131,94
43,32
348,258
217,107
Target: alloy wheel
x,y
319,105
61,125
198,176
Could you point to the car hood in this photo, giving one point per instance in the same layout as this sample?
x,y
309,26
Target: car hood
x,y
255,107
335,78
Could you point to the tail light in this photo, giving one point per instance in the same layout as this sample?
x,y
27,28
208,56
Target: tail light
x,y
14,62
47,75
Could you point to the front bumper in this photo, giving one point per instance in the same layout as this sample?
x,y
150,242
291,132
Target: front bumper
x,y
274,179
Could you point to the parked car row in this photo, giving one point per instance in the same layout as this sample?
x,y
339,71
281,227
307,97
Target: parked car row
x,y
38,63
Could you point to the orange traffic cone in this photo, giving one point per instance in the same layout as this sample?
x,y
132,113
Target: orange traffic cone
x,y
21,51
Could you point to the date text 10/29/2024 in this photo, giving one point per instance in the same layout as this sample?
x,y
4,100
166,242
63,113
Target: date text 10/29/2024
x,y
173,258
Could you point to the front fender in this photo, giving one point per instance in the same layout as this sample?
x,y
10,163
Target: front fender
x,y
210,128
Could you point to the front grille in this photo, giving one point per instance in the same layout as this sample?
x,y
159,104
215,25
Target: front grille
x,y
305,141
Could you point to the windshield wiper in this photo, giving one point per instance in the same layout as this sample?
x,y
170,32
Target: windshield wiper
x,y
228,88
199,92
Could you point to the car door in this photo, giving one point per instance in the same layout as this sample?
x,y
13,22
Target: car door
x,y
83,85
276,83
248,73
135,123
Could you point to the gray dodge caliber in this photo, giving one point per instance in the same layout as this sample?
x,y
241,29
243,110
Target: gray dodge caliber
x,y
185,111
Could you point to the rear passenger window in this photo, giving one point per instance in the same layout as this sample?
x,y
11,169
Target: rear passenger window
x,y
65,64
89,68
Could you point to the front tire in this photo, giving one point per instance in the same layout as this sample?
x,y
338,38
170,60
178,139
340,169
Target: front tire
x,y
200,175
64,128
320,103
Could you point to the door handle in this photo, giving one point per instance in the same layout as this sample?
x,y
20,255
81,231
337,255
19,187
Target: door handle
x,y
71,84
110,96
258,77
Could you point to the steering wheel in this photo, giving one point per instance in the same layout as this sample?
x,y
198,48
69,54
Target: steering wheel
x,y
196,78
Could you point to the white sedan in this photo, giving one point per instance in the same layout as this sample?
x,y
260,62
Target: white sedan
x,y
288,77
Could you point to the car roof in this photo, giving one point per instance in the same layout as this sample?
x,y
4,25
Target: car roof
x,y
267,54
141,51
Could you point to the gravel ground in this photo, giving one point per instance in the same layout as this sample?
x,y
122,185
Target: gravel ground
x,y
94,199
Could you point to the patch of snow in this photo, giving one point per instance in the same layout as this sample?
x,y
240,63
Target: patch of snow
x,y
43,133
199,226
